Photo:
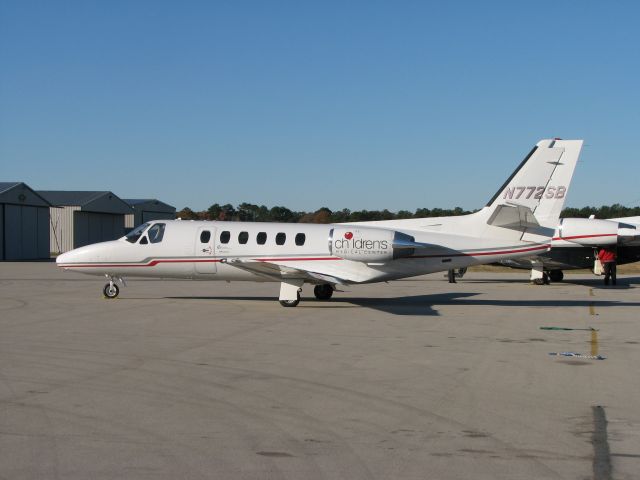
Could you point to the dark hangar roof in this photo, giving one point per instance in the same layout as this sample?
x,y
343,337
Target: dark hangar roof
x,y
151,204
90,201
20,193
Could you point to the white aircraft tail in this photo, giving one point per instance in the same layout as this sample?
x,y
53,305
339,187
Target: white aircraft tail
x,y
535,193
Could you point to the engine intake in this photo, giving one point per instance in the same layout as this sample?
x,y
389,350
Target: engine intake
x,y
370,245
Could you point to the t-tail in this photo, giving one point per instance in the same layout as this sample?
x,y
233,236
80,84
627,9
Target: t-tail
x,y
531,200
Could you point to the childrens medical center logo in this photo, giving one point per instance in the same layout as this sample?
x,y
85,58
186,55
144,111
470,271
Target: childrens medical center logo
x,y
363,245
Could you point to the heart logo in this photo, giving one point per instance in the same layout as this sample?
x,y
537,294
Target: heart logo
x,y
348,235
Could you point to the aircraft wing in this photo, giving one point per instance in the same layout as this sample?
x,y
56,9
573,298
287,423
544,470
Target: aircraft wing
x,y
279,271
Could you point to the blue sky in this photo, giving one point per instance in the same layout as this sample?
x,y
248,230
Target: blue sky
x,y
372,104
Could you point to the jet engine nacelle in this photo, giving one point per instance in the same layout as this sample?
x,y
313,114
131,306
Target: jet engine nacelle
x,y
371,245
594,232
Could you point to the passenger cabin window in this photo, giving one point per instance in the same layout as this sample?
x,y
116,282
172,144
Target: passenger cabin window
x,y
144,241
261,238
225,236
243,237
134,235
300,238
281,238
156,233
205,236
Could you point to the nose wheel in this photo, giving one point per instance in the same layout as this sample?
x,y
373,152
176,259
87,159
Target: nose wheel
x,y
111,290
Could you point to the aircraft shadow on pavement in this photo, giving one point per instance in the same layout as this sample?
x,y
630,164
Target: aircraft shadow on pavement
x,y
424,305
624,282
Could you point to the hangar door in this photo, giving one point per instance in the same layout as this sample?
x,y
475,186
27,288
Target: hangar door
x,y
91,227
26,232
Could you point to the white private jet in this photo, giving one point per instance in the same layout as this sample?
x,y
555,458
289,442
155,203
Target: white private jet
x,y
519,220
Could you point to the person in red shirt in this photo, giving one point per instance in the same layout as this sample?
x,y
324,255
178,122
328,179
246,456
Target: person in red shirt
x,y
607,256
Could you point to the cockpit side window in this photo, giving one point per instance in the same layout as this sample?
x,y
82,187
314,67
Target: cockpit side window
x,y
156,233
135,234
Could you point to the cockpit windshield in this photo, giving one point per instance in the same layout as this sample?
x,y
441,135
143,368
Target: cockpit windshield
x,y
156,232
135,234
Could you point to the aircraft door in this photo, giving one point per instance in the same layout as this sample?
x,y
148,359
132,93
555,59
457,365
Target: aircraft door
x,y
205,250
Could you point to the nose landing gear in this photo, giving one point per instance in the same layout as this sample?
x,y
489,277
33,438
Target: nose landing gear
x,y
111,290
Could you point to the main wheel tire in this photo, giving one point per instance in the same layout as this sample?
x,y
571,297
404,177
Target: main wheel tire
x,y
556,275
538,281
290,303
323,292
110,290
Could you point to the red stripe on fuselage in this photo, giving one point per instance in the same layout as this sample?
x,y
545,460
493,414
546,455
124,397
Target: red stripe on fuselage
x,y
152,263
480,254
586,236
301,259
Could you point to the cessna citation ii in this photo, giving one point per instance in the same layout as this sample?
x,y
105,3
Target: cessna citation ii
x,y
576,243
518,221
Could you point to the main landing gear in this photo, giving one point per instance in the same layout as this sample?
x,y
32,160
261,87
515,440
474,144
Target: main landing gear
x,y
111,290
290,292
323,292
556,275
290,303
543,277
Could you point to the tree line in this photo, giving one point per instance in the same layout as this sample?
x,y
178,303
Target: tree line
x,y
247,212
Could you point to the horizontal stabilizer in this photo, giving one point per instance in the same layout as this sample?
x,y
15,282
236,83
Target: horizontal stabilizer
x,y
516,217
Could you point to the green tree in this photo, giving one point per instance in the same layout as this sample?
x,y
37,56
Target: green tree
x,y
228,212
281,214
187,214
214,212
247,212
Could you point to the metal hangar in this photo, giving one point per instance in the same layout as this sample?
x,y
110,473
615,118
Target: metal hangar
x,y
80,218
24,223
146,210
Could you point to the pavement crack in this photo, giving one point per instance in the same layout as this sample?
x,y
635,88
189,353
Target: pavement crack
x,y
601,454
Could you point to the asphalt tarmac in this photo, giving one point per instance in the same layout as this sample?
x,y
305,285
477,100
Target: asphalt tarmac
x,y
416,379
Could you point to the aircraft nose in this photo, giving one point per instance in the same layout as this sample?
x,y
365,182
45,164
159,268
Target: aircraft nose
x,y
82,255
65,260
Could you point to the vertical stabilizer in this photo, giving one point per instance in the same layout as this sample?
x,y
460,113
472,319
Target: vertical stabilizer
x,y
540,184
